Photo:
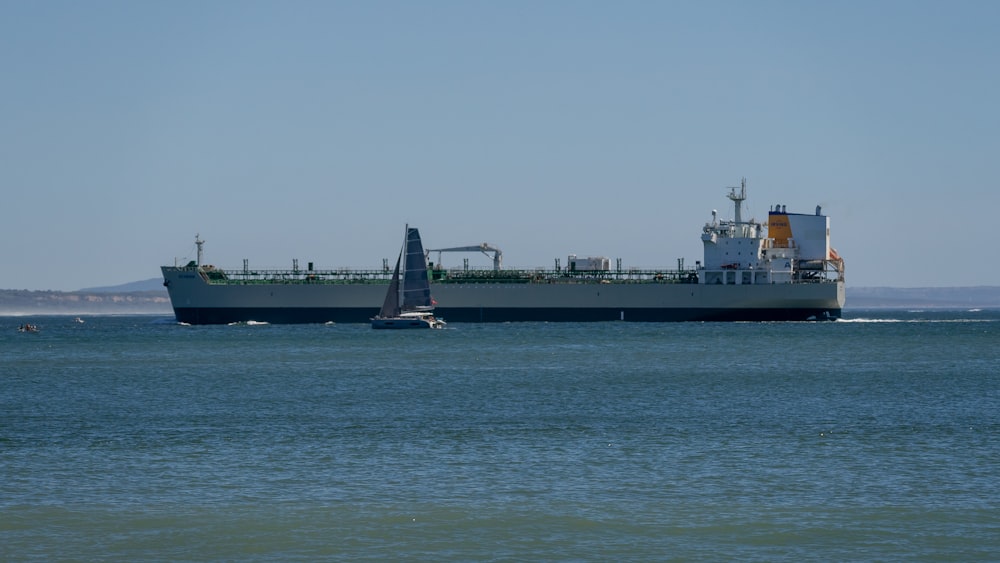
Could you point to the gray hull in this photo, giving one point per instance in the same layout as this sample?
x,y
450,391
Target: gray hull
x,y
196,301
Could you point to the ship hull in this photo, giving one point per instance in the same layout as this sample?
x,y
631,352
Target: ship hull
x,y
195,301
276,315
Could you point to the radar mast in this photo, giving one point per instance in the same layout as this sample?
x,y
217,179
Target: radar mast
x,y
198,242
738,200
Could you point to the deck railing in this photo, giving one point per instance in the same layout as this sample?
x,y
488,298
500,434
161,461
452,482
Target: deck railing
x,y
217,276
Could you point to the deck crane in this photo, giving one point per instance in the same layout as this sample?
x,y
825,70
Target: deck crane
x,y
485,248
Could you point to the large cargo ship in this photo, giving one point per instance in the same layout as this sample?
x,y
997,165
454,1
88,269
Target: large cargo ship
x,y
785,270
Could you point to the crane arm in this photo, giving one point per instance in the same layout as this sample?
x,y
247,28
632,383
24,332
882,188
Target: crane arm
x,y
485,248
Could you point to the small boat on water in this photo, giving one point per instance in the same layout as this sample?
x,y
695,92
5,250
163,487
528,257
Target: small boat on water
x,y
27,328
408,302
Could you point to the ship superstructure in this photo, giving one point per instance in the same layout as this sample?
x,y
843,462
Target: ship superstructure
x,y
791,248
785,270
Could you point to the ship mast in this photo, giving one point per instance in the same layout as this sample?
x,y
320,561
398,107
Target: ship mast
x,y
738,200
198,242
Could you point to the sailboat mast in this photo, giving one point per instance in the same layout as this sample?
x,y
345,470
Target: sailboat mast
x,y
402,255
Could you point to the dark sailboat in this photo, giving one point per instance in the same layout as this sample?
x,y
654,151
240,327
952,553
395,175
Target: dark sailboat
x,y
408,302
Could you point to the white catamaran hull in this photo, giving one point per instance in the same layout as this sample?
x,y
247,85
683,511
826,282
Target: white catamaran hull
x,y
406,322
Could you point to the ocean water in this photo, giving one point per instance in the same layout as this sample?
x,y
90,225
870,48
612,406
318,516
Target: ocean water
x,y
133,438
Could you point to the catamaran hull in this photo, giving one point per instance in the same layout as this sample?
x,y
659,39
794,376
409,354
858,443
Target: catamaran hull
x,y
196,301
402,323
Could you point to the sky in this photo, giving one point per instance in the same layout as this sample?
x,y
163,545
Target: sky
x,y
317,130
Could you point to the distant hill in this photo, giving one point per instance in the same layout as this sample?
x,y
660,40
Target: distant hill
x,y
152,284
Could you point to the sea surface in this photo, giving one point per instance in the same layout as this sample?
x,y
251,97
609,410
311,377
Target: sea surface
x,y
133,438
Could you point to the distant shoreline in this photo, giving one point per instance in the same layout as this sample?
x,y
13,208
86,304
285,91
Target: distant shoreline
x,y
957,298
20,302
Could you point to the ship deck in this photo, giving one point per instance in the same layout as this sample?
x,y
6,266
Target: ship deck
x,y
216,276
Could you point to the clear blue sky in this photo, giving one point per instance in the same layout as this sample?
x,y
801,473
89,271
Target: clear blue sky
x,y
316,130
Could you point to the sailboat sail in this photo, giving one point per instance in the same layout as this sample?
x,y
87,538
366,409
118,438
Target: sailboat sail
x,y
390,308
416,295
